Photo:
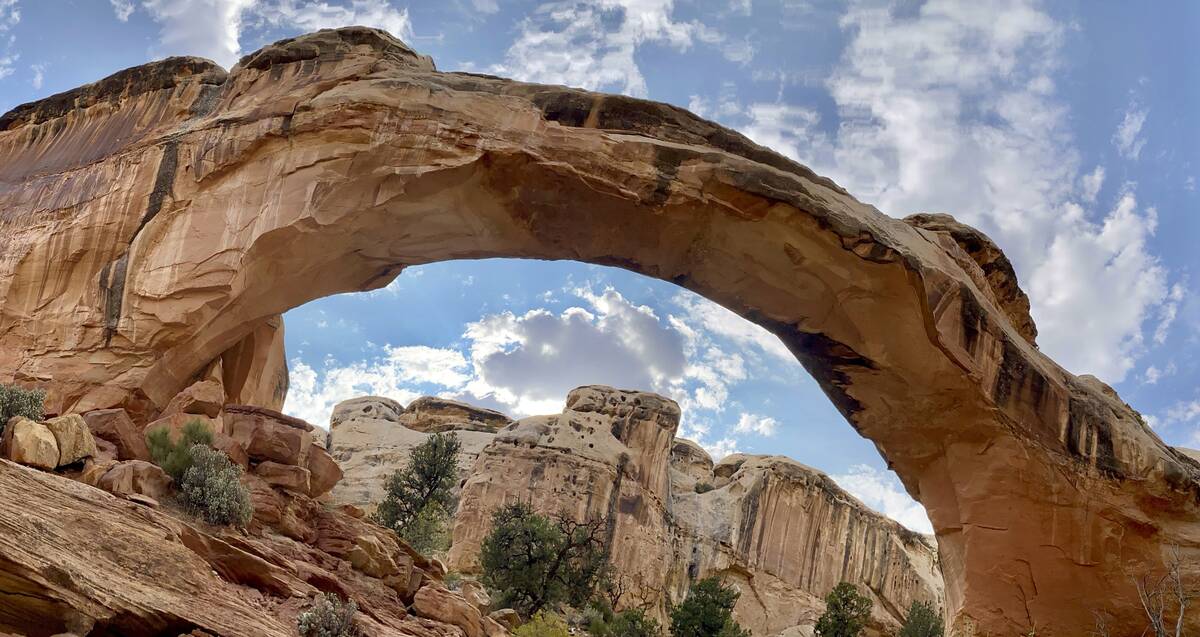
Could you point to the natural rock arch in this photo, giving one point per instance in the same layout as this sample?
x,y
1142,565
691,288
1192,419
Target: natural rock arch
x,y
156,221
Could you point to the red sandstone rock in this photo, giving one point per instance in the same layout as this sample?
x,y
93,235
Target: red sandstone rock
x,y
204,398
136,477
116,427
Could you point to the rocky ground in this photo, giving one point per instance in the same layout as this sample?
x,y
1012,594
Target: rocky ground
x,y
784,532
92,543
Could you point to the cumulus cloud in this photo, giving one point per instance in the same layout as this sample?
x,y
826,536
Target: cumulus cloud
x,y
213,28
754,423
882,491
123,9
952,107
1127,138
591,43
398,373
1153,373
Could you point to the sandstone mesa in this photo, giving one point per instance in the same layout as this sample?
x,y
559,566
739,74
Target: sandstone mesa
x,y
155,225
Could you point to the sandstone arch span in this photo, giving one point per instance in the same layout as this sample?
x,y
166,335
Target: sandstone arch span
x,y
156,220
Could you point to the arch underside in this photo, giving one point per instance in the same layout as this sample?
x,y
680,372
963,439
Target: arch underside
x,y
151,225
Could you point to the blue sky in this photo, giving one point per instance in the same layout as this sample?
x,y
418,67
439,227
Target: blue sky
x,y
1064,130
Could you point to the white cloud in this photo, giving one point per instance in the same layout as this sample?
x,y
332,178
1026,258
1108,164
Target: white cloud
x,y
212,28
123,9
10,15
754,423
882,491
1168,313
206,28
309,15
952,108
312,395
1153,374
1127,139
1090,184
591,43
39,75
697,310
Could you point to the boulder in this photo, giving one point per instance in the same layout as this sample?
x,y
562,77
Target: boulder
x,y
74,439
324,471
116,427
269,435
31,443
429,414
476,594
289,477
204,398
506,617
136,477
435,602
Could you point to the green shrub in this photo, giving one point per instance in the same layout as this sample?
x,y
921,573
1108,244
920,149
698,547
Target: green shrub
x,y
429,531
16,401
601,621
707,611
212,489
535,563
417,499
329,616
923,621
703,487
176,457
846,612
543,625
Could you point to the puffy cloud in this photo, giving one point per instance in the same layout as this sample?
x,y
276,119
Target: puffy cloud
x,y
720,321
123,9
1153,374
212,28
1127,138
952,107
882,491
591,43
754,423
398,374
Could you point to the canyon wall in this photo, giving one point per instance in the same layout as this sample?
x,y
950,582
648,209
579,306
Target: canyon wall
x,y
785,534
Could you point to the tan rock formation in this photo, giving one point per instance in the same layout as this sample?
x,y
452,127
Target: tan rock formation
x,y
204,398
136,477
116,427
30,443
605,457
784,533
153,222
73,437
370,439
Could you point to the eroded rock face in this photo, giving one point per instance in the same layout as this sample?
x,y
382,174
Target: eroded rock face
x,y
784,533
153,223
371,437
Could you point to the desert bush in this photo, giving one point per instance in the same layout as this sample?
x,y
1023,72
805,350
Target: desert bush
x,y
923,620
329,616
417,499
543,624
17,401
212,489
176,457
535,563
707,611
703,487
602,621
846,612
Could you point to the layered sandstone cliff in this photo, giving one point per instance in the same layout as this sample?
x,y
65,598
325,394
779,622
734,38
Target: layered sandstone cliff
x,y
154,225
371,438
784,533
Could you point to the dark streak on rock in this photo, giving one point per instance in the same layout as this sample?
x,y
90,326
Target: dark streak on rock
x,y
1086,423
